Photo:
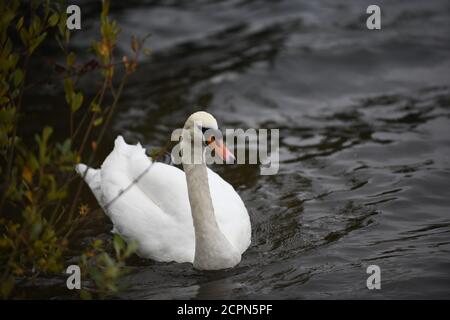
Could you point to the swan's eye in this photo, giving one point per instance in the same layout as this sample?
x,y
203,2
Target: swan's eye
x,y
209,136
210,140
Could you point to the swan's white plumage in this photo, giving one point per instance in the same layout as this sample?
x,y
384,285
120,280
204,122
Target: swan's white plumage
x,y
155,211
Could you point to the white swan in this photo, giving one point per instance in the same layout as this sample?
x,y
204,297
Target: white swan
x,y
192,216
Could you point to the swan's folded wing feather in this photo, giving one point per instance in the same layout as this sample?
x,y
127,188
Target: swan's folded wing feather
x,y
147,205
230,211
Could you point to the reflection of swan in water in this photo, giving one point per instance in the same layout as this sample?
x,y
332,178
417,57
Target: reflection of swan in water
x,y
191,216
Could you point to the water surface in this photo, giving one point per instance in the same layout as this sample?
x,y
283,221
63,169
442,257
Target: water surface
x,y
364,119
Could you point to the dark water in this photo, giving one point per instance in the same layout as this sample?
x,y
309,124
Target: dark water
x,y
364,119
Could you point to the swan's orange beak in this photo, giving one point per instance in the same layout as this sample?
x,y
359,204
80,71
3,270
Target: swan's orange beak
x,y
221,149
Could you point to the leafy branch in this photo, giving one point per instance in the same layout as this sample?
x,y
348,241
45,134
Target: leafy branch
x,y
37,216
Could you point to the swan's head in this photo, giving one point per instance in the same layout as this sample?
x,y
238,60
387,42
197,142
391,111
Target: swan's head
x,y
201,119
203,125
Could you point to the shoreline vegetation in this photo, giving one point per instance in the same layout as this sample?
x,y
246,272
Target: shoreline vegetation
x,y
40,203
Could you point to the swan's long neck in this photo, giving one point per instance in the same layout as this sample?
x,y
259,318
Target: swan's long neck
x,y
212,249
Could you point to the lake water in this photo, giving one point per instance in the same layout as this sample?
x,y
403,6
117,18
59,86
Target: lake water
x,y
364,119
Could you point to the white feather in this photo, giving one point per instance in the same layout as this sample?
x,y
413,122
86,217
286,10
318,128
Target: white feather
x,y
155,210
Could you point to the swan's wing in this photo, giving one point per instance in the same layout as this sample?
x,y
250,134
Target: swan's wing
x,y
163,184
230,211
147,202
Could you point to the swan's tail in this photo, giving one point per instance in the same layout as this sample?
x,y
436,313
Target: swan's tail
x,y
90,175
121,161
93,179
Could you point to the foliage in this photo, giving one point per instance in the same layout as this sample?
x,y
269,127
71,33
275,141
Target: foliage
x,y
38,213
103,269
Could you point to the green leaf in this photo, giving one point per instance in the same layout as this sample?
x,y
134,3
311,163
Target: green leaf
x,y
24,36
109,262
18,77
119,244
64,148
42,143
68,89
35,25
19,24
7,47
95,107
131,248
105,8
36,42
53,20
97,244
71,59
98,122
33,162
36,230
77,100
46,133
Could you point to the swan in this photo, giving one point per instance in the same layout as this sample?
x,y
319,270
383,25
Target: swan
x,y
173,215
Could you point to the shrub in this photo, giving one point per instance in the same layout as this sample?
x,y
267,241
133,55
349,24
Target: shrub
x,y
38,210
